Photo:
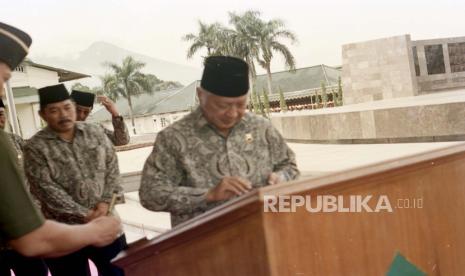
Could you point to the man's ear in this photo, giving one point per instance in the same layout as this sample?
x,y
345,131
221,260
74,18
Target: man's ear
x,y
200,95
42,114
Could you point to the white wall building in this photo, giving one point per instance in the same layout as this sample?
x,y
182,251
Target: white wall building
x,y
152,113
25,80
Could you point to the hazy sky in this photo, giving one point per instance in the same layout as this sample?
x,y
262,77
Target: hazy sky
x,y
155,28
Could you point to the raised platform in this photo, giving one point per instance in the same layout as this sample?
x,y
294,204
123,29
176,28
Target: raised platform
x,y
425,118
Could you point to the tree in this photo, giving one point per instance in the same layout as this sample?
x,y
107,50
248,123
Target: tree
x,y
210,36
97,90
254,102
108,81
242,41
282,101
167,85
127,81
339,92
324,95
261,107
79,86
256,39
269,41
311,100
160,85
317,99
334,97
266,102
251,39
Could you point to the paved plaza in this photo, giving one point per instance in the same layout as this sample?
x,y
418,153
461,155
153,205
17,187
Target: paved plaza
x,y
312,160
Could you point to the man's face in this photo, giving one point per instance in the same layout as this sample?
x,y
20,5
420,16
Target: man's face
x,y
61,116
222,112
82,112
2,118
5,74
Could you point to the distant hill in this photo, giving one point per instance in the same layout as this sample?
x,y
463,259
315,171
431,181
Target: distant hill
x,y
90,62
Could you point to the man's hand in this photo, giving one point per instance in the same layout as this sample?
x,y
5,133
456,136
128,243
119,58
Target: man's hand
x,y
229,186
101,209
274,179
106,230
109,105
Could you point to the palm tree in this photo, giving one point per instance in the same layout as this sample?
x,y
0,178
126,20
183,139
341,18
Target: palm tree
x,y
126,81
109,88
81,87
210,36
243,40
250,39
269,40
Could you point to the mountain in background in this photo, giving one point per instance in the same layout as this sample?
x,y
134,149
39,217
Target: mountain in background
x,y
90,62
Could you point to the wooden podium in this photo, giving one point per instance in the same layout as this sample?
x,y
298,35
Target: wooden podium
x,y
239,238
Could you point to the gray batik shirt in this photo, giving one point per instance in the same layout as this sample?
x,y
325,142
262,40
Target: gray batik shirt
x,y
190,157
120,135
70,178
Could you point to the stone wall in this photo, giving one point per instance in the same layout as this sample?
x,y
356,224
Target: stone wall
x,y
451,58
378,69
421,123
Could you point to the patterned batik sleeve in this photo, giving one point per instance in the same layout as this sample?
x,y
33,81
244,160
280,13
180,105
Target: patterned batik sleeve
x,y
55,201
282,157
161,185
120,135
112,175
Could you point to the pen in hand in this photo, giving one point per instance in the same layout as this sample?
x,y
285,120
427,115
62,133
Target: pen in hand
x,y
112,203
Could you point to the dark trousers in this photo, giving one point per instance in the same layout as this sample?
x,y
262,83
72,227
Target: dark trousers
x,y
76,264
22,266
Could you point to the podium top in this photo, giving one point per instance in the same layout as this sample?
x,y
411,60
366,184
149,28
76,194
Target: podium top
x,y
253,201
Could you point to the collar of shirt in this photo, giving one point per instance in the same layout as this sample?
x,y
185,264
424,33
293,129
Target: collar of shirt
x,y
200,120
48,133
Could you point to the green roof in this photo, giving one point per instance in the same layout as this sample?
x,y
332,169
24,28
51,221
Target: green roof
x,y
159,102
299,79
184,99
294,84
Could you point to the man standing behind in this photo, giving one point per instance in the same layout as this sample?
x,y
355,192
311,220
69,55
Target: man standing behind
x,y
216,152
73,171
85,103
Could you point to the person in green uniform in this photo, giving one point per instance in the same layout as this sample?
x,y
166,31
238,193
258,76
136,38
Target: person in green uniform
x,y
9,258
21,224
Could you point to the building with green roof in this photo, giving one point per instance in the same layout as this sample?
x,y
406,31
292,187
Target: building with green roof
x,y
153,112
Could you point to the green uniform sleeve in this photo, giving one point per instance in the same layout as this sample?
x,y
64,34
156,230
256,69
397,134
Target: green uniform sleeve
x,y
18,216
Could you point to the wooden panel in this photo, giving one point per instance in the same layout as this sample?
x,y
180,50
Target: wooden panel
x,y
238,238
433,237
236,249
228,245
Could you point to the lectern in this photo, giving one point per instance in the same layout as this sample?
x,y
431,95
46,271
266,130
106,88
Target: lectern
x,y
426,225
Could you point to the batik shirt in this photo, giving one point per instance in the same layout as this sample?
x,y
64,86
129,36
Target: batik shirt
x,y
120,135
191,156
70,178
